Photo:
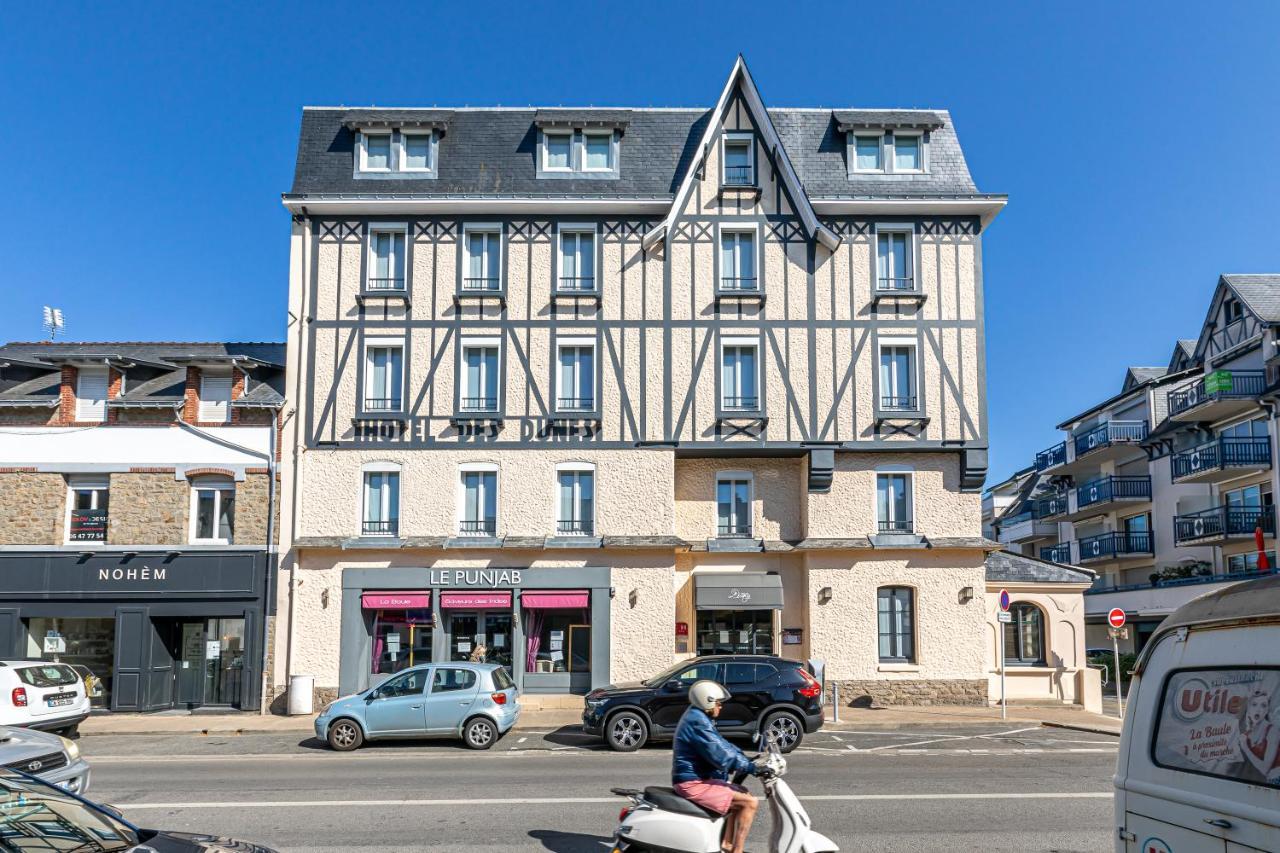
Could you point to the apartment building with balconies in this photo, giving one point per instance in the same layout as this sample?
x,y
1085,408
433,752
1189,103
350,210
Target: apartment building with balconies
x,y
591,391
137,514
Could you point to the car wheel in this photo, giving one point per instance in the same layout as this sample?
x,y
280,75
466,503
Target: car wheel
x,y
626,732
71,732
783,728
345,735
479,733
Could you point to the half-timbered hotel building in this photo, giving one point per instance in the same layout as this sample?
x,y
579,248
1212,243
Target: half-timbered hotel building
x,y
589,391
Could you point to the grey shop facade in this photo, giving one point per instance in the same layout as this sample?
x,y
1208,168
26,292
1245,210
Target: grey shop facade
x,y
548,626
159,628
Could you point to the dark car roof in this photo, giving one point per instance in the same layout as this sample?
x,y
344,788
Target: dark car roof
x,y
745,659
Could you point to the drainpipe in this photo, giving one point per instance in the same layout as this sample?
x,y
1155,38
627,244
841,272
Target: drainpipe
x,y
297,397
272,551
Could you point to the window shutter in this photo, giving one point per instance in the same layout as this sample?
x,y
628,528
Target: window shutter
x,y
91,395
215,397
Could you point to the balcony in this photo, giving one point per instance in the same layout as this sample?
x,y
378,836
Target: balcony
x,y
896,525
1051,506
381,404
1221,523
1159,597
1025,527
1222,459
384,285
478,405
1060,553
576,527
897,288
739,284
1052,458
1217,395
732,406
478,527
88,525
1117,545
739,177
734,531
380,528
1102,494
481,285
1109,440
576,285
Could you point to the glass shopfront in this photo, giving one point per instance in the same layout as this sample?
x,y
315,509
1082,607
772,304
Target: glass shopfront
x,y
402,628
735,632
88,643
735,612
557,631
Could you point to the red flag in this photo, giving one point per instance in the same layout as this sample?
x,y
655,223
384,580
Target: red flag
x,y
1264,565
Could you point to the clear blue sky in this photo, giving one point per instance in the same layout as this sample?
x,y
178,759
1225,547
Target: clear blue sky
x,y
146,150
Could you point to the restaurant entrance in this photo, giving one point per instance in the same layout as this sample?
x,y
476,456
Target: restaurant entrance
x,y
478,626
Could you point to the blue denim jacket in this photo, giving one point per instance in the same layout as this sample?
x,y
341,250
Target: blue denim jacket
x,y
701,752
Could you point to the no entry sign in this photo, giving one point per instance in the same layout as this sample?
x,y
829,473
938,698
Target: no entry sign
x,y
1116,618
1004,600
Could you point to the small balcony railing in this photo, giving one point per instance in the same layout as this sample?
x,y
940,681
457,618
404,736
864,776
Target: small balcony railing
x,y
1053,457
739,404
577,284
899,404
1225,452
1107,489
382,404
1060,553
734,531
897,525
739,176
1115,544
88,525
895,285
482,284
389,527
479,404
1220,522
478,527
1106,583
1010,520
575,527
575,404
382,285
1218,385
1109,433
739,284
1051,506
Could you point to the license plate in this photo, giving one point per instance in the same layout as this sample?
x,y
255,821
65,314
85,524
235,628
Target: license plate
x,y
55,702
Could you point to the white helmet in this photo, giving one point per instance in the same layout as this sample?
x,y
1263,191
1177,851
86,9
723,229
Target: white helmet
x,y
706,693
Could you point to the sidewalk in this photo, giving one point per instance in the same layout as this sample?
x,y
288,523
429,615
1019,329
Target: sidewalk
x,y
850,718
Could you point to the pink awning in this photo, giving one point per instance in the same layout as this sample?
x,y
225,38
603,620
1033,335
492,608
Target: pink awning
x,y
477,600
395,600
568,599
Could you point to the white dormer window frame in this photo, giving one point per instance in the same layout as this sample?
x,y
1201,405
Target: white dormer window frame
x,y
430,136
544,153
611,163
737,137
362,151
213,407
891,152
879,137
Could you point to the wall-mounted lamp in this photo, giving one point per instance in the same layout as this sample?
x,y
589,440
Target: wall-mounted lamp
x,y
613,591
966,595
633,597
824,595
324,598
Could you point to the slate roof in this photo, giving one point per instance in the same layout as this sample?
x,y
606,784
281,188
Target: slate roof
x,y
1147,374
491,152
1260,292
1008,567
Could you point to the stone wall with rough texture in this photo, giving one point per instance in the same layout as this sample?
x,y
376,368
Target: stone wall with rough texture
x,y
32,508
148,508
776,488
252,499
865,692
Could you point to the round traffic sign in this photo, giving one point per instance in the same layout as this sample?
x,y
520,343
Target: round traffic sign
x,y
1004,600
1116,618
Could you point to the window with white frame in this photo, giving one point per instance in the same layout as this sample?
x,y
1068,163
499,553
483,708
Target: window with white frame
x,y
898,377
577,260
386,259
375,152
88,500
383,375
575,374
738,260
575,500
417,149
91,394
893,503
380,515
215,396
739,375
908,152
478,512
738,155
733,505
868,152
213,510
597,152
483,246
894,261
479,375
557,152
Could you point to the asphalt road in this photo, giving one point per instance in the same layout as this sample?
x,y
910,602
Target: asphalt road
x,y
980,788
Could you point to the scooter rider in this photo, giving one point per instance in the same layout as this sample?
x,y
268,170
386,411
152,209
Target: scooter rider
x,y
701,761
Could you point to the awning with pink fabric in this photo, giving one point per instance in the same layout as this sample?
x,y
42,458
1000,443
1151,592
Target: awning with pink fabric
x,y
469,600
396,600
565,599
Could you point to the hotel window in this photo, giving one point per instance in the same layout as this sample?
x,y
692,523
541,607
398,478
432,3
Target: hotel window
x,y
213,510
739,377
895,612
898,378
733,506
597,151
557,152
383,380
215,397
480,376
375,152
908,153
1256,428
381,515
89,500
739,165
893,503
417,152
868,152
483,261
575,501
386,267
575,375
479,510
577,260
1248,562
91,394
1137,532
1024,636
738,260
894,261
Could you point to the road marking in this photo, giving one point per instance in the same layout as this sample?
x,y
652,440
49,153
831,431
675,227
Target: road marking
x,y
551,801
837,738
522,740
1012,732
917,743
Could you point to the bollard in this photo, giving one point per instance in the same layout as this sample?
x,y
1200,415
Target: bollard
x,y
835,703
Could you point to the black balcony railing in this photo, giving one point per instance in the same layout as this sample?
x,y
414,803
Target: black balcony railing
x,y
896,525
1060,553
1218,385
88,525
1116,544
1051,506
1225,452
577,284
1222,521
734,531
899,404
1108,489
479,404
576,527
739,284
1109,433
381,285
895,285
380,528
478,527
575,404
739,404
382,404
1053,457
481,285
739,176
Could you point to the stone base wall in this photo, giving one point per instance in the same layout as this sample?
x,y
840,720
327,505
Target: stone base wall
x,y
901,691
32,507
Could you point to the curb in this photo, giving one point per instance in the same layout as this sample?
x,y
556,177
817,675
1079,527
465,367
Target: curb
x,y
1080,727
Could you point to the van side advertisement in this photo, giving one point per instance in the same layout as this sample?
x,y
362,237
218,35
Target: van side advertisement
x,y
1223,722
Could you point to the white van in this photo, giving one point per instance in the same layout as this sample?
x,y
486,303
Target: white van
x,y
1199,765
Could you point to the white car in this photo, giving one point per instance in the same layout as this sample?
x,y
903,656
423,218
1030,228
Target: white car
x,y
42,695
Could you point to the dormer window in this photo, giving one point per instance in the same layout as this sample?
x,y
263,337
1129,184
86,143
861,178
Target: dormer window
x,y
868,152
417,152
377,152
597,151
908,152
408,153
577,153
558,152
739,160
888,152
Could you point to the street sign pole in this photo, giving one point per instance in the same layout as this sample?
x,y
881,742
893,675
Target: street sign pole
x,y
1003,617
1115,622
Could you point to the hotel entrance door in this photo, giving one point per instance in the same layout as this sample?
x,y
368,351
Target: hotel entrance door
x,y
471,630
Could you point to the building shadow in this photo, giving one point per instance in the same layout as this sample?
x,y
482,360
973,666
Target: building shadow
x,y
570,842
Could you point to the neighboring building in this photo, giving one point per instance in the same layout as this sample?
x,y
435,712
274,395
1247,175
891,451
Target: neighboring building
x,y
997,499
1165,489
602,389
136,512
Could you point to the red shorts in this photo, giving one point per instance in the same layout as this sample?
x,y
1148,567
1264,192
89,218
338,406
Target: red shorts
x,y
713,794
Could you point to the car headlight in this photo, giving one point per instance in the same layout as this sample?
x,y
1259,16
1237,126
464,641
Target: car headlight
x,y
72,748
593,704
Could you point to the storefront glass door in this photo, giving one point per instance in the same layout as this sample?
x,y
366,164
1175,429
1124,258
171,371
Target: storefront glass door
x,y
480,636
210,662
735,632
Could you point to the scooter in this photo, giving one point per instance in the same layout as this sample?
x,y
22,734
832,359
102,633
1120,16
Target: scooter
x,y
660,819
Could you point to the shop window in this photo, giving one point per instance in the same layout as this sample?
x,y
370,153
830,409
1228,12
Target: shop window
x,y
895,610
213,511
1024,636
735,632
87,518
401,639
87,645
448,680
557,638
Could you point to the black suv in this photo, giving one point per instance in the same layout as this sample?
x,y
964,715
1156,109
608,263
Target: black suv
x,y
776,696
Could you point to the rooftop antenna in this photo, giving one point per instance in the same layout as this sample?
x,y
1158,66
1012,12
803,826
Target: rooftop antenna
x,y
53,322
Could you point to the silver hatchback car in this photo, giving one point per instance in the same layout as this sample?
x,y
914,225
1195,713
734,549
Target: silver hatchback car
x,y
477,702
